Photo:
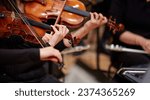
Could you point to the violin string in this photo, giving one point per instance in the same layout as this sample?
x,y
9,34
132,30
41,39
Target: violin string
x,y
32,22
27,24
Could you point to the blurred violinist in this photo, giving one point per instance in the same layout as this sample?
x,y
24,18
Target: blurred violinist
x,y
134,14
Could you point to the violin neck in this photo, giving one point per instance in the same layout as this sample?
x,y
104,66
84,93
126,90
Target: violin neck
x,y
39,24
76,11
32,22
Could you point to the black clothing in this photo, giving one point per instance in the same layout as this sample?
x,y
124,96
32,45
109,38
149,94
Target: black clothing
x,y
19,56
7,4
21,65
135,15
20,60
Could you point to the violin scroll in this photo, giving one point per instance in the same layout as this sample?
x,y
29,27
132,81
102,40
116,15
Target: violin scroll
x,y
114,26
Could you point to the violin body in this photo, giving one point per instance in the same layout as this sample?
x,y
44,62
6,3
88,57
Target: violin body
x,y
11,24
53,8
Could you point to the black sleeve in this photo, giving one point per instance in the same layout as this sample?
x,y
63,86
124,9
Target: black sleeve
x,y
19,56
117,10
60,46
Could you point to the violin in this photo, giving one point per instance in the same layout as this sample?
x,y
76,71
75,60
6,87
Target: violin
x,y
19,24
72,14
114,26
12,24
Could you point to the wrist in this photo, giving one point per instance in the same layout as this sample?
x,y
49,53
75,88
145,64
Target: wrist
x,y
52,44
67,42
88,27
140,41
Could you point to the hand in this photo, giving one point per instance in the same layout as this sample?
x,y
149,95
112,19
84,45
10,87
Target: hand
x,y
50,54
146,45
47,37
55,37
95,21
143,42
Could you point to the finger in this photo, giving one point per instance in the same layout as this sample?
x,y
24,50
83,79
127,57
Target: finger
x,y
54,29
48,36
54,39
65,30
45,39
96,16
60,28
52,33
54,59
58,55
57,26
101,17
92,16
105,20
55,54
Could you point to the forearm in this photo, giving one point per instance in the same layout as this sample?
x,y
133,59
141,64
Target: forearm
x,y
79,33
97,20
18,56
63,44
82,32
131,38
